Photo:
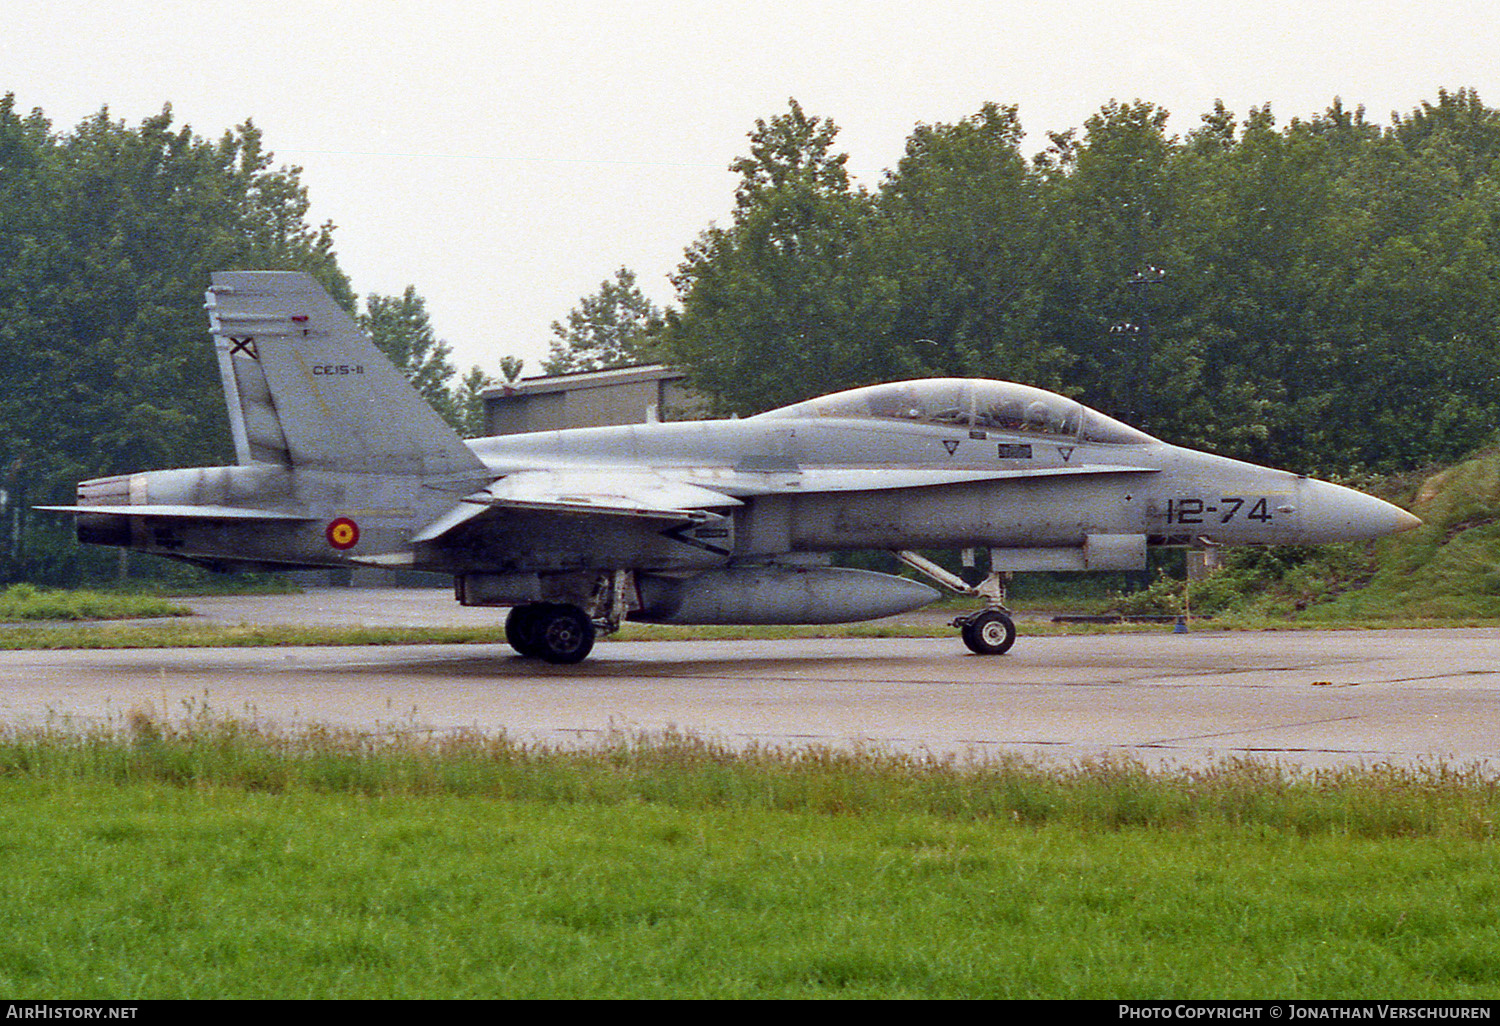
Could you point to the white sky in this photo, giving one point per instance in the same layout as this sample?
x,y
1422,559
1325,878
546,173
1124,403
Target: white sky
x,y
506,157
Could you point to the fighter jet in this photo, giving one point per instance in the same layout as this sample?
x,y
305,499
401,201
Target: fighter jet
x,y
341,463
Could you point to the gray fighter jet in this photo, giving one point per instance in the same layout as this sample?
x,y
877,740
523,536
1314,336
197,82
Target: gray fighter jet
x,y
341,463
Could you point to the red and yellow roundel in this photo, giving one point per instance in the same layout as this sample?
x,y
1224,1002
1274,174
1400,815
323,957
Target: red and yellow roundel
x,y
342,533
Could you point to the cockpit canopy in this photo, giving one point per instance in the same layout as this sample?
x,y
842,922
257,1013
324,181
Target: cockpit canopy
x,y
971,404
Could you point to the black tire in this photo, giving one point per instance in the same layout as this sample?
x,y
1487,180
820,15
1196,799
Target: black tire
x,y
990,633
564,634
521,629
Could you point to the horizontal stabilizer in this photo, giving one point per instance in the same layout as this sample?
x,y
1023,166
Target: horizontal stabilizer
x,y
190,512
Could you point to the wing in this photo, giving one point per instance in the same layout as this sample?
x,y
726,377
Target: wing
x,y
810,480
689,495
640,494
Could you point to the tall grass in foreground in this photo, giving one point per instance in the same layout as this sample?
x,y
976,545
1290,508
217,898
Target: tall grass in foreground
x,y
218,858
687,772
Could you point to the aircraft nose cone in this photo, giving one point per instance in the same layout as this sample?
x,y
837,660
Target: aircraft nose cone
x,y
1333,513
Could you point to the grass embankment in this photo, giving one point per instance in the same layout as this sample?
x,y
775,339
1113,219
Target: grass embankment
x,y
214,859
1444,573
1447,568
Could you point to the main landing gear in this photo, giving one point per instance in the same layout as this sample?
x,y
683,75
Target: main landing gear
x,y
587,605
551,631
990,631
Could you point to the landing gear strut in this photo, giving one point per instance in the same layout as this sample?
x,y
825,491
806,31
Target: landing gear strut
x,y
990,631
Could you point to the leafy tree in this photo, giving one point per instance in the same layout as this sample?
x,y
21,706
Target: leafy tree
x,y
1108,207
1470,130
785,302
957,221
511,368
1336,269
402,329
615,327
468,401
107,237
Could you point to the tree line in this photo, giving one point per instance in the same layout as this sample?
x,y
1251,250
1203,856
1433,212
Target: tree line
x,y
108,234
1321,295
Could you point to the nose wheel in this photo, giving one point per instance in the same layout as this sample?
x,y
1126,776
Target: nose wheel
x,y
988,632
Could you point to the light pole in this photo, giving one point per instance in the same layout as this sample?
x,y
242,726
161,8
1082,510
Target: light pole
x,y
1123,340
1142,401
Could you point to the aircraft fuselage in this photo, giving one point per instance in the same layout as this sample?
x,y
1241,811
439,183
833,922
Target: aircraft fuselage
x,y
1165,493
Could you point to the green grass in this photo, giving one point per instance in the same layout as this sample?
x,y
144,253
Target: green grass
x,y
268,583
211,858
154,892
28,602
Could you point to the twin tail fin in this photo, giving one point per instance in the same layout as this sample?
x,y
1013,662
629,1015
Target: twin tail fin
x,y
307,388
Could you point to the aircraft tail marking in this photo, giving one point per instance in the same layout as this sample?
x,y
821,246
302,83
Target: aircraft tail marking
x,y
307,388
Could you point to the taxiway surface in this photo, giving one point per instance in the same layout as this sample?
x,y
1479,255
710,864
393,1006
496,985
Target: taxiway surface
x,y
1311,698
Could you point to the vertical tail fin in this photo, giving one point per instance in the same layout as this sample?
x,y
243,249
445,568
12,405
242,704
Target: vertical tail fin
x,y
307,388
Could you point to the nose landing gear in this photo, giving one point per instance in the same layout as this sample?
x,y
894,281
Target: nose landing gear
x,y
987,632
990,631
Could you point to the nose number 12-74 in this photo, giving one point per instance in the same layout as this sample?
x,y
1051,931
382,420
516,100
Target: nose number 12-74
x,y
1224,510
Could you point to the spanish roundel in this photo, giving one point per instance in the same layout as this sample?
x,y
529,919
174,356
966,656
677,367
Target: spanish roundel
x,y
342,533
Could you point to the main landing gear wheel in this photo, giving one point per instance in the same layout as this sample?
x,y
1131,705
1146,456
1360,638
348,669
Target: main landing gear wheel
x,y
521,630
565,633
989,633
556,633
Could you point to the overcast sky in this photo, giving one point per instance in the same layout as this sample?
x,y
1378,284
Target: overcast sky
x,y
506,157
